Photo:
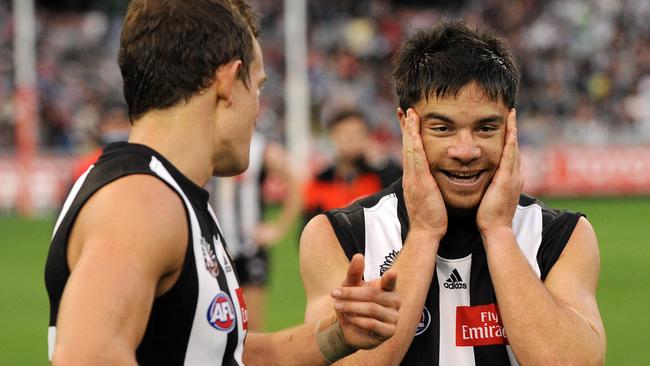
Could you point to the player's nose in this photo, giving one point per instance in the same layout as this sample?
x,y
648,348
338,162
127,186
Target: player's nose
x,y
464,148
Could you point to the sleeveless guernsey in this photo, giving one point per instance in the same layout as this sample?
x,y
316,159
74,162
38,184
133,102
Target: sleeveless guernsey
x,y
201,320
460,322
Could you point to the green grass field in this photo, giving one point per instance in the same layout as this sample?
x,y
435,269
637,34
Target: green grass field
x,y
624,293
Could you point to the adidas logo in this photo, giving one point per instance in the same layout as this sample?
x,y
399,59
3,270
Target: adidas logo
x,y
454,282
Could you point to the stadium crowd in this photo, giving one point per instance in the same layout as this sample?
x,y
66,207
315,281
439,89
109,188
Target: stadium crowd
x,y
585,66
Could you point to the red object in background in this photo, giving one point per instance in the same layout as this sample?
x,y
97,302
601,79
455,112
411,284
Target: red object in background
x,y
587,170
84,162
26,115
322,195
553,171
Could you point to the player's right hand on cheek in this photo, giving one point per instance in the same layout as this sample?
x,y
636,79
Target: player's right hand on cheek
x,y
424,203
499,202
366,311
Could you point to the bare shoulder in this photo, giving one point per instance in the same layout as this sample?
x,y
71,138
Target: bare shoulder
x,y
579,263
137,216
323,265
318,243
582,249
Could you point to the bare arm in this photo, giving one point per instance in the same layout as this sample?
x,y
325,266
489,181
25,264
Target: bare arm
x,y
556,322
294,346
322,256
365,312
276,162
127,247
322,260
551,323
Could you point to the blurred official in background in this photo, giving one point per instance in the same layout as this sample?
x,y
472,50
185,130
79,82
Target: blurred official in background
x,y
114,126
357,169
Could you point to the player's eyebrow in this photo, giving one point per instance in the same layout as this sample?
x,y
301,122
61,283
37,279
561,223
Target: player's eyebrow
x,y
495,118
436,115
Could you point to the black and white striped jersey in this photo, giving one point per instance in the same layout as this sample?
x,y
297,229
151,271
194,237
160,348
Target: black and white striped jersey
x,y
460,322
201,320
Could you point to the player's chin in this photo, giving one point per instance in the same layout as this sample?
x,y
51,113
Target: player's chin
x,y
462,203
231,167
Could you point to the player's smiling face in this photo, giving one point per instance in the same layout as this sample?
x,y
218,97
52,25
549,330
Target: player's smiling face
x,y
463,138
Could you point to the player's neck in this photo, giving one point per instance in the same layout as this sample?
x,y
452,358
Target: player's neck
x,y
181,136
461,216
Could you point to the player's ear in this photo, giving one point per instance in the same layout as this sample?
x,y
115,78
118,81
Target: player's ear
x,y
401,116
225,79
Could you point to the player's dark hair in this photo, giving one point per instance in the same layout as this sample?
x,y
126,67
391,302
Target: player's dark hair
x,y
442,59
252,19
343,115
170,49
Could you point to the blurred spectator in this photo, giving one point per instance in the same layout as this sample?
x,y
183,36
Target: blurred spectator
x,y
114,126
573,54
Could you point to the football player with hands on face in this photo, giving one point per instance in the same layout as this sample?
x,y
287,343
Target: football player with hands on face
x,y
488,274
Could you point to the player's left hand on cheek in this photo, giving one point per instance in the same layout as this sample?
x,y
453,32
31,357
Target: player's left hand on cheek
x,y
366,311
499,203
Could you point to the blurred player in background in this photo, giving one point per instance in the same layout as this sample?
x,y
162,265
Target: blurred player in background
x,y
488,275
357,170
114,126
239,204
138,271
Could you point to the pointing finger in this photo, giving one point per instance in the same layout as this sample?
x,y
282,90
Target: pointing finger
x,y
354,275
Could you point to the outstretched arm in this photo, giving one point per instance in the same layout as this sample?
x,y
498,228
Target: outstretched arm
x,y
552,323
365,315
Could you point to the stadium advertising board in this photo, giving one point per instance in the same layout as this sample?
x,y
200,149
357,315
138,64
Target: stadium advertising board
x,y
552,171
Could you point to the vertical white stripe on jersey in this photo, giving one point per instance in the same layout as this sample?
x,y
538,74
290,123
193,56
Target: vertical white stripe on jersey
x,y
527,225
383,234
233,284
449,300
206,345
71,196
51,339
225,205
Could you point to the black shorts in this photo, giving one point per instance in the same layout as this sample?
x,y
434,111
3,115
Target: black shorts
x,y
253,270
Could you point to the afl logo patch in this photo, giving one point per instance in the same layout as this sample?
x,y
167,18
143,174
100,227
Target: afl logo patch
x,y
425,321
221,313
